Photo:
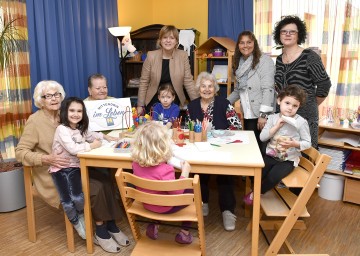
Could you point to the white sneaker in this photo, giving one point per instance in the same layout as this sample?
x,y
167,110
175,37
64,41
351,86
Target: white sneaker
x,y
229,220
205,209
80,230
82,222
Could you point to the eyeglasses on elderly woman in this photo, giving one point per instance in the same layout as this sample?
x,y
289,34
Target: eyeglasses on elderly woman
x,y
50,96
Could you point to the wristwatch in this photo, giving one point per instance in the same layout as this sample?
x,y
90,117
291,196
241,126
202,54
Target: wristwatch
x,y
263,115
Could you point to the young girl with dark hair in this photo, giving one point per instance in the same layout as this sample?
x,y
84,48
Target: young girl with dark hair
x,y
71,137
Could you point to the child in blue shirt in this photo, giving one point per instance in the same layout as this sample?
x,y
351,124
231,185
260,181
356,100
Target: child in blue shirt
x,y
166,110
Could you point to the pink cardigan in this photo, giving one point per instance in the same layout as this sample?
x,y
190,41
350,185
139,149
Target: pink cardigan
x,y
162,171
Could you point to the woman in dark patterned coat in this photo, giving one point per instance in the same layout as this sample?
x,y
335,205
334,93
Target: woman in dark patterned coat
x,y
301,67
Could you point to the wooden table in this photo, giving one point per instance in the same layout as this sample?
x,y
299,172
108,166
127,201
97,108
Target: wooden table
x,y
243,159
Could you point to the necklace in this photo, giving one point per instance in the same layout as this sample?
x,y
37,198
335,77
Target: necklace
x,y
288,58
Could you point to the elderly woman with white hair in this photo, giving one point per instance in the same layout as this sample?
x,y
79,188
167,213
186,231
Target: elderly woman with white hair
x,y
34,149
221,115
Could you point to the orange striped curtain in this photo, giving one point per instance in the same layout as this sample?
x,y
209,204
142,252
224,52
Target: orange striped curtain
x,y
344,98
334,27
15,95
263,25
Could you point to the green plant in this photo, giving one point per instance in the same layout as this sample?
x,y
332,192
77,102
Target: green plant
x,y
9,42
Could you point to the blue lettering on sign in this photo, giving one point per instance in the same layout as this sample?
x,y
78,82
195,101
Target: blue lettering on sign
x,y
97,114
113,112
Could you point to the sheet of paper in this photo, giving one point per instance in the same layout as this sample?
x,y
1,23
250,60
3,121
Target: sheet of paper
x,y
204,146
244,138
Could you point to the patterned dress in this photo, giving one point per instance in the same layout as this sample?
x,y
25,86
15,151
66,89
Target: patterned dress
x,y
307,72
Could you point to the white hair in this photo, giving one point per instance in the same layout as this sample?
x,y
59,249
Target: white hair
x,y
42,87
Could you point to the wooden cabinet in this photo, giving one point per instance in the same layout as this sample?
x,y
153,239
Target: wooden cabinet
x,y
144,39
352,182
204,62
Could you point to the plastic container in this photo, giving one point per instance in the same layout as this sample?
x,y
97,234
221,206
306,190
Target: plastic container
x,y
12,190
218,52
331,187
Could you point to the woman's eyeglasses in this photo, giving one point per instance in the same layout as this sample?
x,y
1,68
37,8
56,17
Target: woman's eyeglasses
x,y
288,32
49,96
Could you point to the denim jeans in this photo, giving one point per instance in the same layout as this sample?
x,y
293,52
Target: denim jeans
x,y
68,184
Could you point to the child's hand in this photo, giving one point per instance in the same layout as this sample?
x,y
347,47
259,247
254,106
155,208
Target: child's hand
x,y
279,123
291,143
185,169
110,138
95,144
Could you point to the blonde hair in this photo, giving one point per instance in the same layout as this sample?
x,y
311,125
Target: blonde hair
x,y
42,87
167,30
152,145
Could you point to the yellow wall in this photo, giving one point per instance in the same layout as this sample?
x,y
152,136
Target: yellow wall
x,y
184,14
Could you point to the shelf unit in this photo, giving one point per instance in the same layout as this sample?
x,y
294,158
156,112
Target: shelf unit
x,y
215,42
352,182
144,39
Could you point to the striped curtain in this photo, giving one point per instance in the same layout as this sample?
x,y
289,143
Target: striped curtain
x,y
334,28
15,95
344,98
264,25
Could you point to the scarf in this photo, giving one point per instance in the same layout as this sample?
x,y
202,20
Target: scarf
x,y
243,70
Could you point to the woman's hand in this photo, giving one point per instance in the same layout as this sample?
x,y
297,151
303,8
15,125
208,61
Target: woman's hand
x,y
56,161
185,169
261,123
95,144
110,138
140,111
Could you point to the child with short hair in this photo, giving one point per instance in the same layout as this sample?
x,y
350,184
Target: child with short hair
x,y
150,153
71,137
166,110
289,134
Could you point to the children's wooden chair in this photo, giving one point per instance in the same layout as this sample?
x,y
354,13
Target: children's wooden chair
x,y
30,211
281,202
133,200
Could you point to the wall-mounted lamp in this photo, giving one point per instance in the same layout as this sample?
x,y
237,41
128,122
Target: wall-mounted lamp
x,y
120,33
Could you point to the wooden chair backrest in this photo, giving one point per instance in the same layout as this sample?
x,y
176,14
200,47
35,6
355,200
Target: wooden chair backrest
x,y
156,185
134,198
315,166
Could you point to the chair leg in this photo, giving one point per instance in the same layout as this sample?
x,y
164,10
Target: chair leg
x,y
30,211
69,234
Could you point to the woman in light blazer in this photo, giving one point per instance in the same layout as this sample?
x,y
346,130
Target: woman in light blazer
x,y
166,65
254,84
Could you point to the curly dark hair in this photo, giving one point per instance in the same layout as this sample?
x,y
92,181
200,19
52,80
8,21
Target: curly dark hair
x,y
256,52
290,19
293,91
83,125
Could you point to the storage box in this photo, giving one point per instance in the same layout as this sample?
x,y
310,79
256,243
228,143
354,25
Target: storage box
x,y
123,146
331,187
352,190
